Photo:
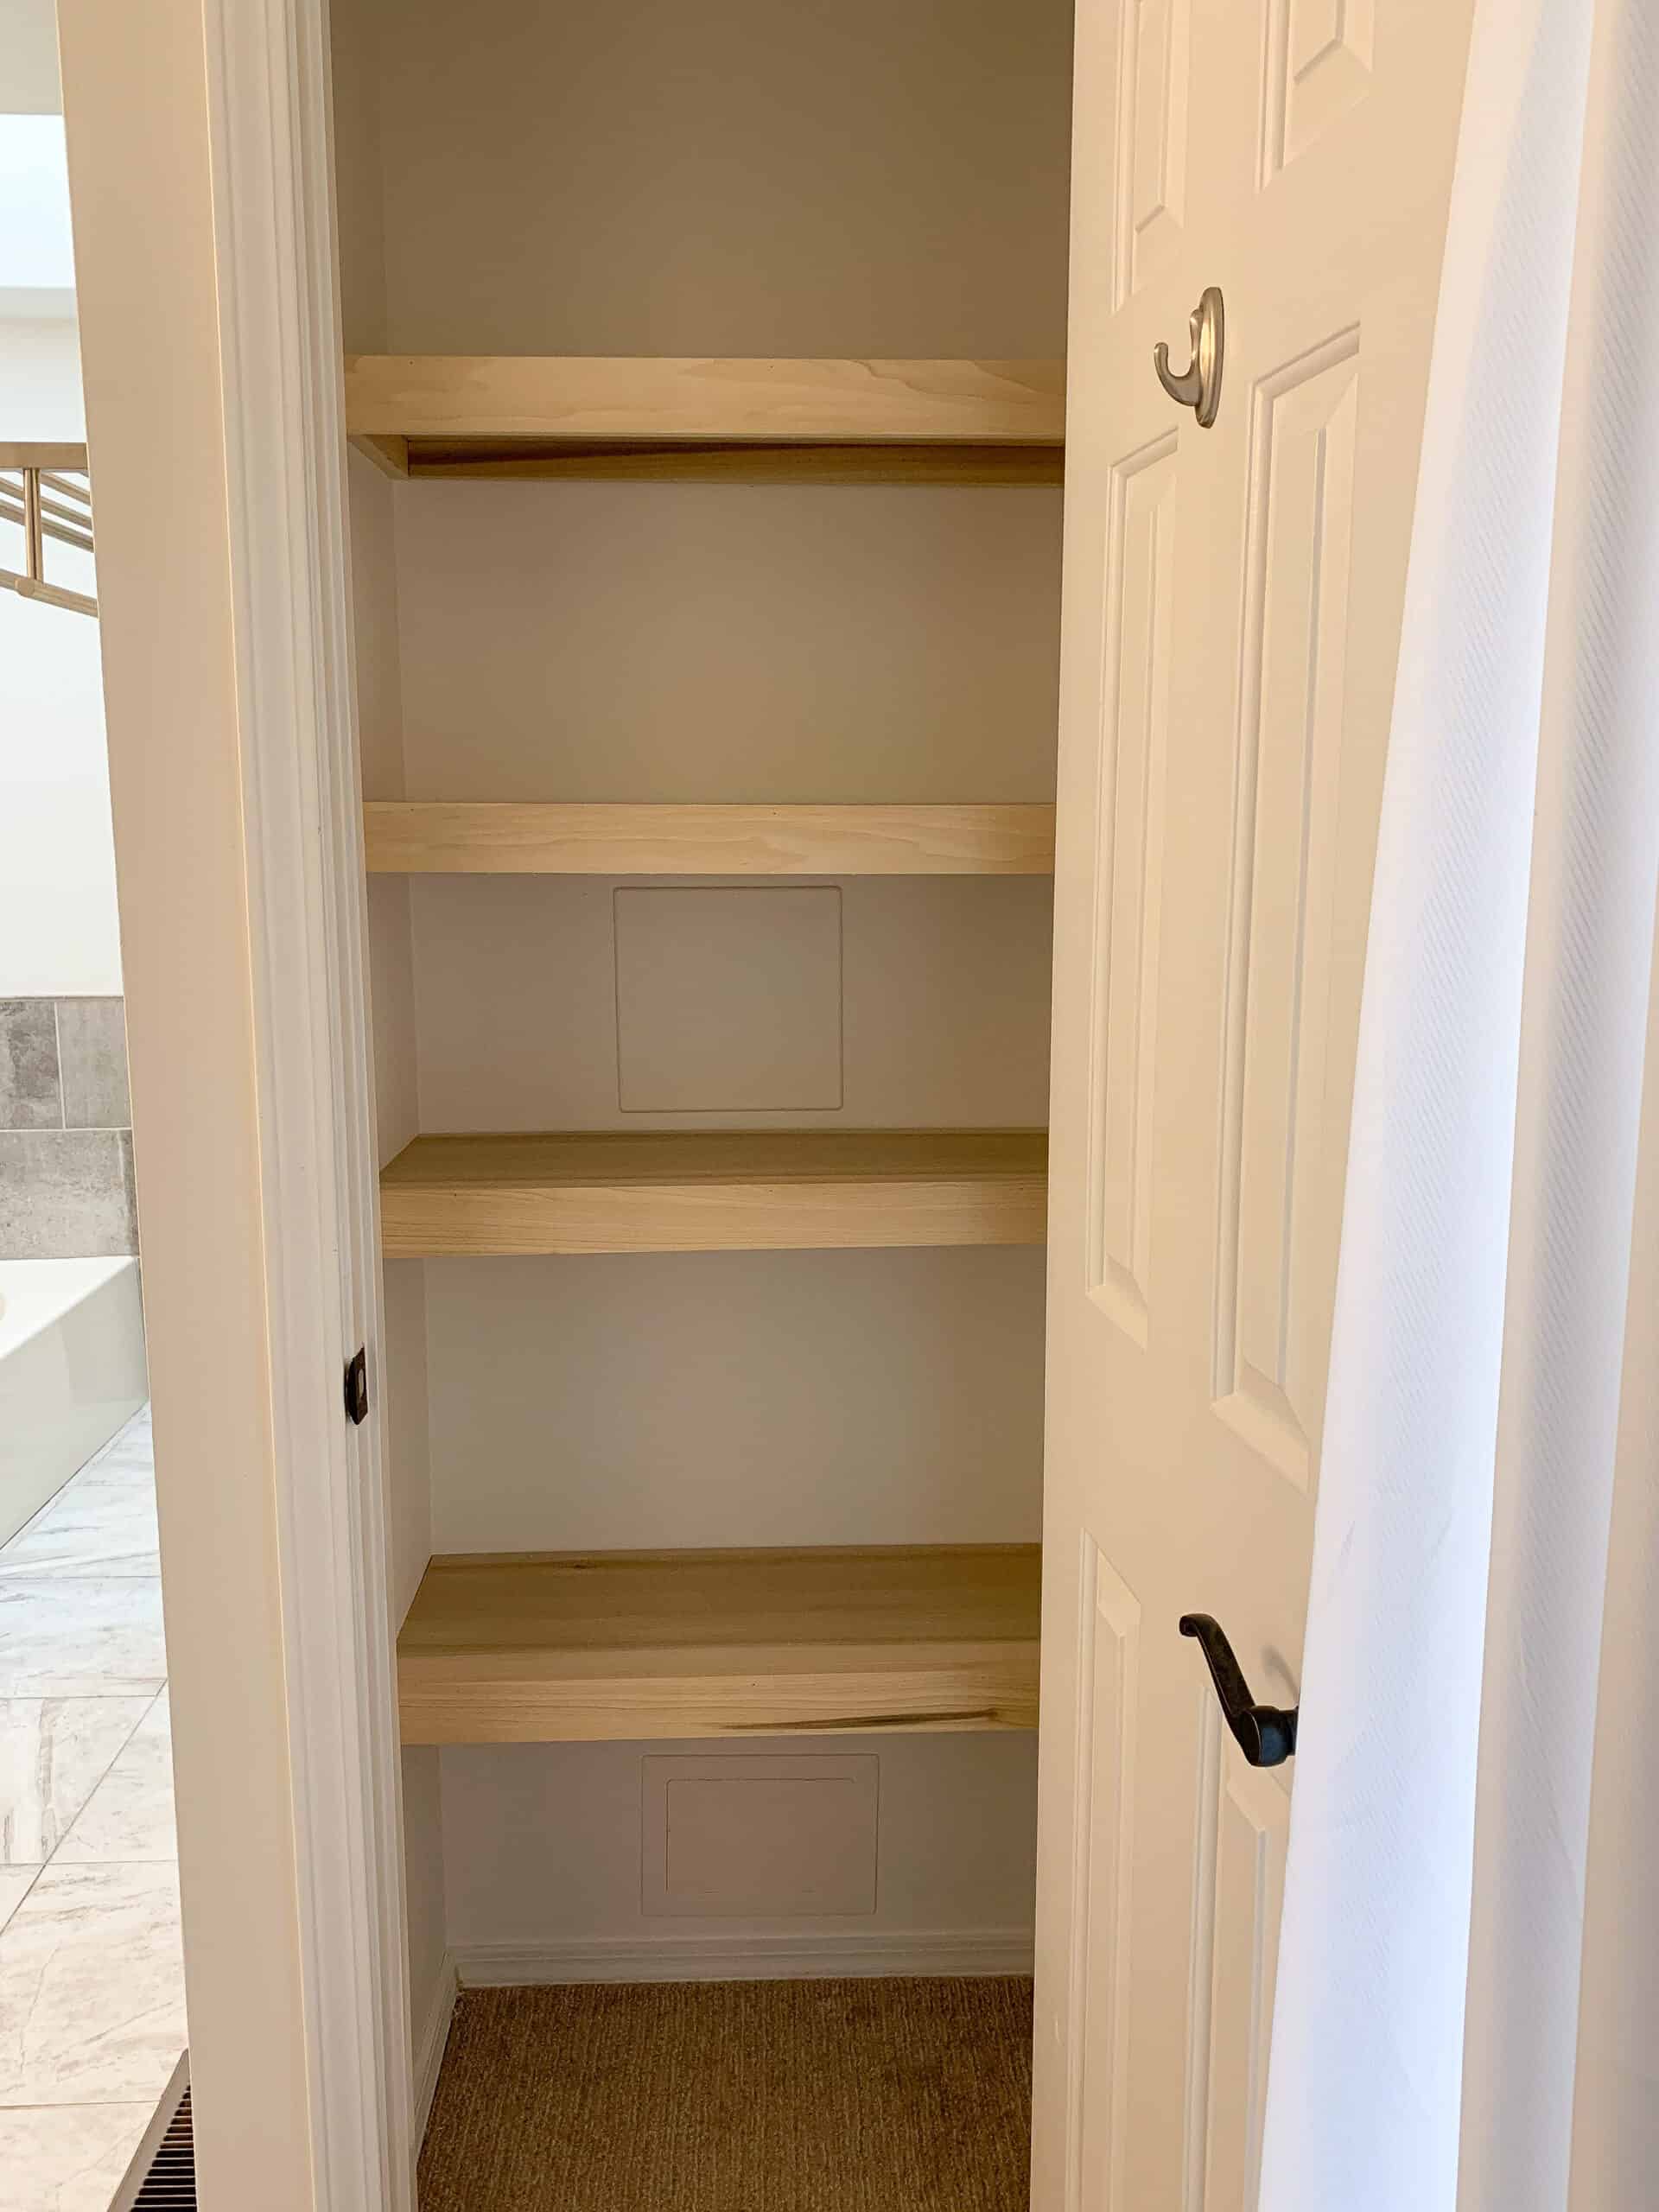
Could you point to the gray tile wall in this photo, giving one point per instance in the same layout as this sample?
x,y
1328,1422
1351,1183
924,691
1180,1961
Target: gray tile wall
x,y
66,1134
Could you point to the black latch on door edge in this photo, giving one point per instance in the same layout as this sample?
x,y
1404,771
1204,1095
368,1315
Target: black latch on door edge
x,y
357,1386
1265,1733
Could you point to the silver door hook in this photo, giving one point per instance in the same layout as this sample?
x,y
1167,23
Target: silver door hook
x,y
1198,385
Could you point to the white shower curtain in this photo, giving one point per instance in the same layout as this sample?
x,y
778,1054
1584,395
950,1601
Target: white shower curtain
x,y
1453,1884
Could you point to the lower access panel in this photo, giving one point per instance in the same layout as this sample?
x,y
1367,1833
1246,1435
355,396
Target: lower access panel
x,y
653,1645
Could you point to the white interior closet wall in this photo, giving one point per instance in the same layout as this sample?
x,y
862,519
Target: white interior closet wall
x,y
559,1863
868,180
402,1402
401,1387
882,178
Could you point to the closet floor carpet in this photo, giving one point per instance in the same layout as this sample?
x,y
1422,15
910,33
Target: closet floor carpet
x,y
874,2096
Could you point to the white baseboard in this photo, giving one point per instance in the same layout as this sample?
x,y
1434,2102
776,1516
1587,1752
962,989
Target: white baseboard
x,y
743,1958
429,2052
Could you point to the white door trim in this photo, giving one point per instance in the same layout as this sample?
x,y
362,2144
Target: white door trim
x,y
274,244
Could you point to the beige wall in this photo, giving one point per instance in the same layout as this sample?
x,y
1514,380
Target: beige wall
x,y
873,177
729,642
357,70
737,1398
943,1004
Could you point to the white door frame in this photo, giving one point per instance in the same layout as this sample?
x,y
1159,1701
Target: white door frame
x,y
201,176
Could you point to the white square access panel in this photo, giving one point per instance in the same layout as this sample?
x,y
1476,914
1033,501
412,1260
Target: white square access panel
x,y
769,1837
728,1000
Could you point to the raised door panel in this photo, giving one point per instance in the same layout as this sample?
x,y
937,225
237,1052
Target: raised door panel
x,y
1272,1267
1154,99
1251,1835
1108,1647
1316,69
1129,811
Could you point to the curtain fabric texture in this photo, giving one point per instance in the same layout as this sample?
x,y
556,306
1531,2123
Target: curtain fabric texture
x,y
1441,1924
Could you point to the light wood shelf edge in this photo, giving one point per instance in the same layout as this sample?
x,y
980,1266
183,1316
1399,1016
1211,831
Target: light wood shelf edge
x,y
721,1191
651,1646
458,397
415,836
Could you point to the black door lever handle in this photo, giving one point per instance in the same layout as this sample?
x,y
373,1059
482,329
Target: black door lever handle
x,y
1265,1733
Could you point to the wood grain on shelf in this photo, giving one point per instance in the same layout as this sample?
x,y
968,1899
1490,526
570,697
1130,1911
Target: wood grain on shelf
x,y
657,397
713,1191
644,1645
423,837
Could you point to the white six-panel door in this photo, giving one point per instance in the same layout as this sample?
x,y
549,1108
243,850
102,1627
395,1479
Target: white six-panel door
x,y
1231,621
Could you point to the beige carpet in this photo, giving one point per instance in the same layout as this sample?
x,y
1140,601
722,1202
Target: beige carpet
x,y
874,2096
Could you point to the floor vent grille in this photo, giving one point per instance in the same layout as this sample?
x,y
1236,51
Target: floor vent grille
x,y
170,2184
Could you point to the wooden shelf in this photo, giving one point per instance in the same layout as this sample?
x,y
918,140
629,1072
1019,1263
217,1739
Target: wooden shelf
x,y
425,836
642,1645
713,1191
662,419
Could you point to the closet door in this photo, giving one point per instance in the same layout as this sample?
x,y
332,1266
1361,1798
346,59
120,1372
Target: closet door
x,y
1232,608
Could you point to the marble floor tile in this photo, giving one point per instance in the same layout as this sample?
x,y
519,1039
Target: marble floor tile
x,y
71,1635
15,1883
91,1988
129,1817
133,1446
129,1460
68,2157
54,1753
101,1522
